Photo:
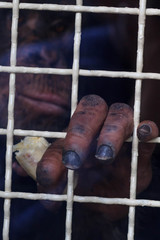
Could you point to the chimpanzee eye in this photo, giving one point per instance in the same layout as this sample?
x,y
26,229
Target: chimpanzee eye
x,y
58,26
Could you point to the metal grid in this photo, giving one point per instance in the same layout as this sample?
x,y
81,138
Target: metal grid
x,y
75,72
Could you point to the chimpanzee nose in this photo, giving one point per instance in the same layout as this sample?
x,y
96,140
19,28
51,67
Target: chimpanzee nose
x,y
44,54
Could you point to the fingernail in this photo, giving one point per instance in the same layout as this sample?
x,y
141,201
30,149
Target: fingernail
x,y
71,160
143,131
104,152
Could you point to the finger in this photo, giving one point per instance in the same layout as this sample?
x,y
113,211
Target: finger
x,y
83,128
50,170
117,127
146,131
19,170
52,174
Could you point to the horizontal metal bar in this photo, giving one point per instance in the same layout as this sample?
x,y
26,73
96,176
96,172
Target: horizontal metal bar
x,y
74,8
81,199
82,72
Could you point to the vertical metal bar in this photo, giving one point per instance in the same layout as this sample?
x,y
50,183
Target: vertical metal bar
x,y
76,56
10,125
137,103
74,99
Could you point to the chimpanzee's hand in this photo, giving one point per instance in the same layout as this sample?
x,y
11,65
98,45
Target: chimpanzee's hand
x,y
95,148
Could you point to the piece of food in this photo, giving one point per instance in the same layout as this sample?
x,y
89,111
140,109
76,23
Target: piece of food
x,y
29,152
117,127
43,162
83,128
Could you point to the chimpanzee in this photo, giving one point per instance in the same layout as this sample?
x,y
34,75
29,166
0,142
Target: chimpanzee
x,y
42,102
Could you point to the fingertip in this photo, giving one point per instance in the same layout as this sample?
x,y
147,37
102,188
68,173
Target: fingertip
x,y
105,152
71,160
50,169
143,132
44,174
147,130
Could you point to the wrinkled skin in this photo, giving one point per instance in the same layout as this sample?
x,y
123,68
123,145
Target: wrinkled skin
x,y
43,103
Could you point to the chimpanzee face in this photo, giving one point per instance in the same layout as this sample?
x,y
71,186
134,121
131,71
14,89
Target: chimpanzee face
x,y
45,39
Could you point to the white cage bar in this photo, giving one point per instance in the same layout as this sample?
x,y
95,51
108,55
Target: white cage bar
x,y
137,104
78,9
10,126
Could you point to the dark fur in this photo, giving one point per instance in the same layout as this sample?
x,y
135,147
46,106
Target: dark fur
x,y
49,44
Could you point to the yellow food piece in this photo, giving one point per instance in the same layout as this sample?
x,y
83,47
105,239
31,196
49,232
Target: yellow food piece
x,y
29,152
